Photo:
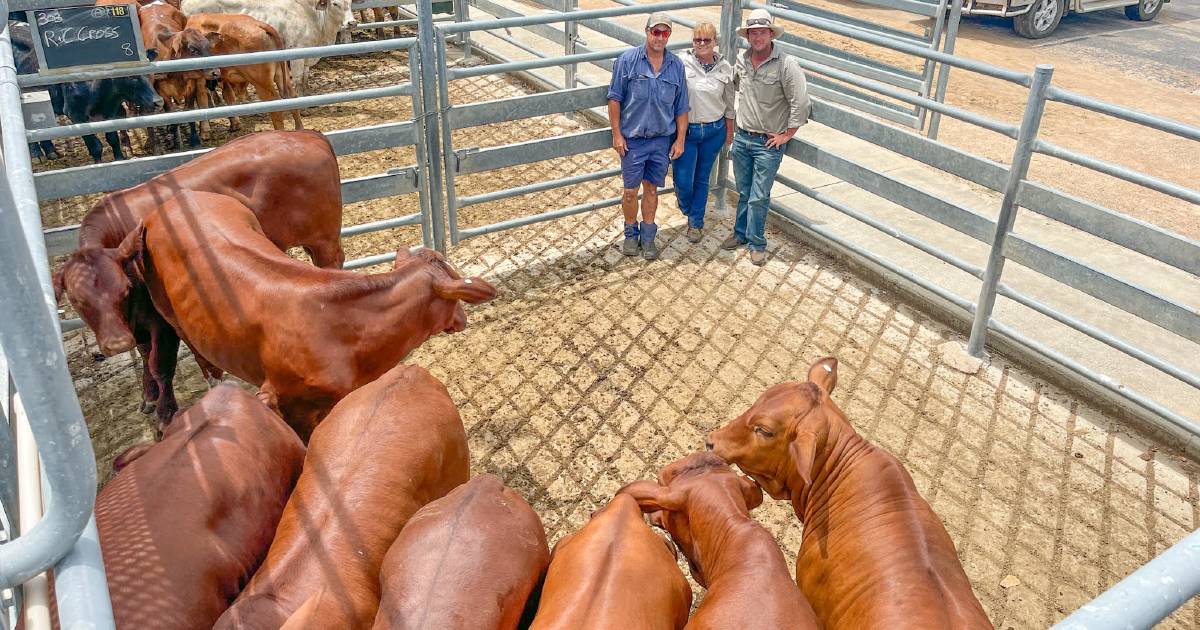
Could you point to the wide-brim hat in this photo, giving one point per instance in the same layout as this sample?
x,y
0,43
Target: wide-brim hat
x,y
760,18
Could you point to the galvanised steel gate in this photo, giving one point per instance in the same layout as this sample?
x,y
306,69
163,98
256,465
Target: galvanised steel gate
x,y
35,358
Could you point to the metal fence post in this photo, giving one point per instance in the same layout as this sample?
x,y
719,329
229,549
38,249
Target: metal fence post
x,y
39,367
425,182
1034,107
462,13
570,35
450,161
935,42
429,119
731,17
935,118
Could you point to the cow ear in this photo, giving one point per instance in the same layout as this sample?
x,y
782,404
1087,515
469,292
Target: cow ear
x,y
652,497
823,374
469,290
60,285
803,450
305,615
750,492
132,248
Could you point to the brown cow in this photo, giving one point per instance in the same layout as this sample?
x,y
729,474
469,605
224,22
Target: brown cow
x,y
385,451
289,179
188,520
706,507
873,555
307,336
236,33
468,560
615,573
164,27
164,32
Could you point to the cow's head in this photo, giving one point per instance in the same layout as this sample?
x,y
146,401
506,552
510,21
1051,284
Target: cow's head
x,y
445,311
700,480
190,43
139,93
776,440
97,282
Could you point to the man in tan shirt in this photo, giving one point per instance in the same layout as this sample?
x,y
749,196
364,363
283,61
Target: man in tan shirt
x,y
772,105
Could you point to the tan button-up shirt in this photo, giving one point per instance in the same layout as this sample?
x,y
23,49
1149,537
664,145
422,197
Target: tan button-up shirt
x,y
772,98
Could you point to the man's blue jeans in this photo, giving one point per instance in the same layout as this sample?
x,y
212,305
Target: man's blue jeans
x,y
754,168
691,171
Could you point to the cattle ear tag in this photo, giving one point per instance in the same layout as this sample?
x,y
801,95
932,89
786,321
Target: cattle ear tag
x,y
467,281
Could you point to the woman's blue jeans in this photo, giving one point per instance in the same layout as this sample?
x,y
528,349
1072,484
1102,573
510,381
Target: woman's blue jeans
x,y
692,169
754,168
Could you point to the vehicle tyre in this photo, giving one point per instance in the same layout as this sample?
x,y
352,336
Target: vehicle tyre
x,y
1042,18
1144,11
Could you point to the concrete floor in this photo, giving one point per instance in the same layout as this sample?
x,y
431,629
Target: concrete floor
x,y
592,370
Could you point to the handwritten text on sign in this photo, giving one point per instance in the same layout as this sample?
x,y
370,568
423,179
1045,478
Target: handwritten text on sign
x,y
88,35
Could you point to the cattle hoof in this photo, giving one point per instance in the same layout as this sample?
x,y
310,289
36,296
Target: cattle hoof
x,y
149,407
98,356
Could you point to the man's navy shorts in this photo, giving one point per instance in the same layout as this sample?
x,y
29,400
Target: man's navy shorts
x,y
646,159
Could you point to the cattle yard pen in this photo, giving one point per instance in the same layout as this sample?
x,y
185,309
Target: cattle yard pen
x,y
600,369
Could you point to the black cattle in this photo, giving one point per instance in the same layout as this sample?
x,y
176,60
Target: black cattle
x,y
89,101
104,99
26,61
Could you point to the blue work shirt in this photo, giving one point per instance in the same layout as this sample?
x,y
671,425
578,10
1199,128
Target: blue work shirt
x,y
649,102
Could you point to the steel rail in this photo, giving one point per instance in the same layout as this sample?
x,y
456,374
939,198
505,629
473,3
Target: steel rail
x,y
536,188
964,115
241,109
216,61
1118,171
1175,127
1020,78
572,16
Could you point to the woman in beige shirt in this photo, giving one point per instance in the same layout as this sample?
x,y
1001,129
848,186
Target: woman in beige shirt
x,y
710,124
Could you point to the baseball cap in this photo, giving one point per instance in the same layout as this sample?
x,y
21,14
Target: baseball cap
x,y
657,19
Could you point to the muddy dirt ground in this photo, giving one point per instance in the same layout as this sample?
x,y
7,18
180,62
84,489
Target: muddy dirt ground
x,y
591,370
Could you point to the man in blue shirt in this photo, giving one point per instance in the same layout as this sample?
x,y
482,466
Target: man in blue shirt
x,y
647,108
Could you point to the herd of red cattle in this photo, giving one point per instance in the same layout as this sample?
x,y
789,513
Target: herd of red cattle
x,y
341,495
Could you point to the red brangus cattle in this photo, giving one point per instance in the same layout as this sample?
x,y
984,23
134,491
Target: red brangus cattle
x,y
306,336
873,555
468,560
165,32
614,574
289,179
231,34
385,451
706,507
187,521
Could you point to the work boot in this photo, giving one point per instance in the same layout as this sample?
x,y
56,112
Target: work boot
x,y
731,243
630,246
694,234
758,257
649,247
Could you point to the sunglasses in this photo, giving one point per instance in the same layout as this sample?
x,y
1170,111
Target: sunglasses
x,y
758,22
661,32
702,40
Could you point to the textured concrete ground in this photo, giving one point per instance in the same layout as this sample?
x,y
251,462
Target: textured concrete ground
x,y
591,370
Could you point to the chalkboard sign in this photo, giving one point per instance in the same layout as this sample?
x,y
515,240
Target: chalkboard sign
x,y
84,36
